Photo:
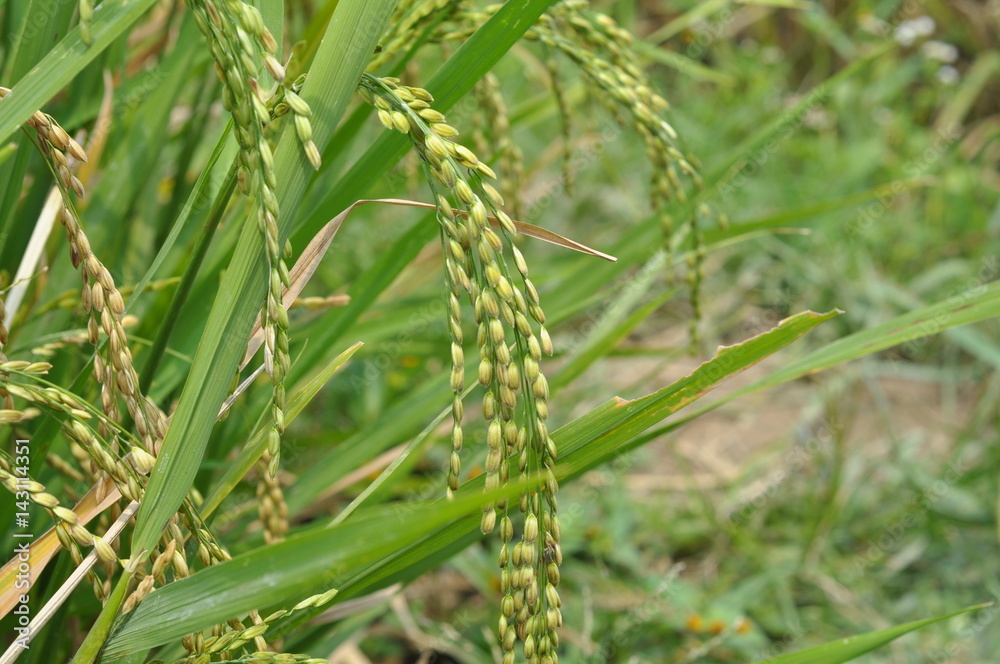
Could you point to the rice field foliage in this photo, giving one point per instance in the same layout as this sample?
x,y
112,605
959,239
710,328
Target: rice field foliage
x,y
285,318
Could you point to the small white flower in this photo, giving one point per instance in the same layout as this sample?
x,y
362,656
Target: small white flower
x,y
924,25
947,74
905,35
908,32
941,51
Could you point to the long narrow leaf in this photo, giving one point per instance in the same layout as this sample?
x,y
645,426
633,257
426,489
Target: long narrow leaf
x,y
970,307
845,650
65,61
301,565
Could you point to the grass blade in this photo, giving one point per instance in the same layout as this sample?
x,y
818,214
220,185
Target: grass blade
x,y
966,308
65,61
301,565
845,650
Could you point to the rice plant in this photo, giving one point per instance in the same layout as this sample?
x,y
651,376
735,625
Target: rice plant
x,y
206,161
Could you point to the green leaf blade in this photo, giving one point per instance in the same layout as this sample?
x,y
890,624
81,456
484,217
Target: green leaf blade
x,y
845,650
65,61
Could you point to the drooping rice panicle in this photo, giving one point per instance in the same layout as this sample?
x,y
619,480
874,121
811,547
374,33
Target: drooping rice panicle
x,y
101,447
70,532
271,506
94,455
515,404
128,472
85,9
494,109
100,297
410,19
125,468
566,119
240,43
